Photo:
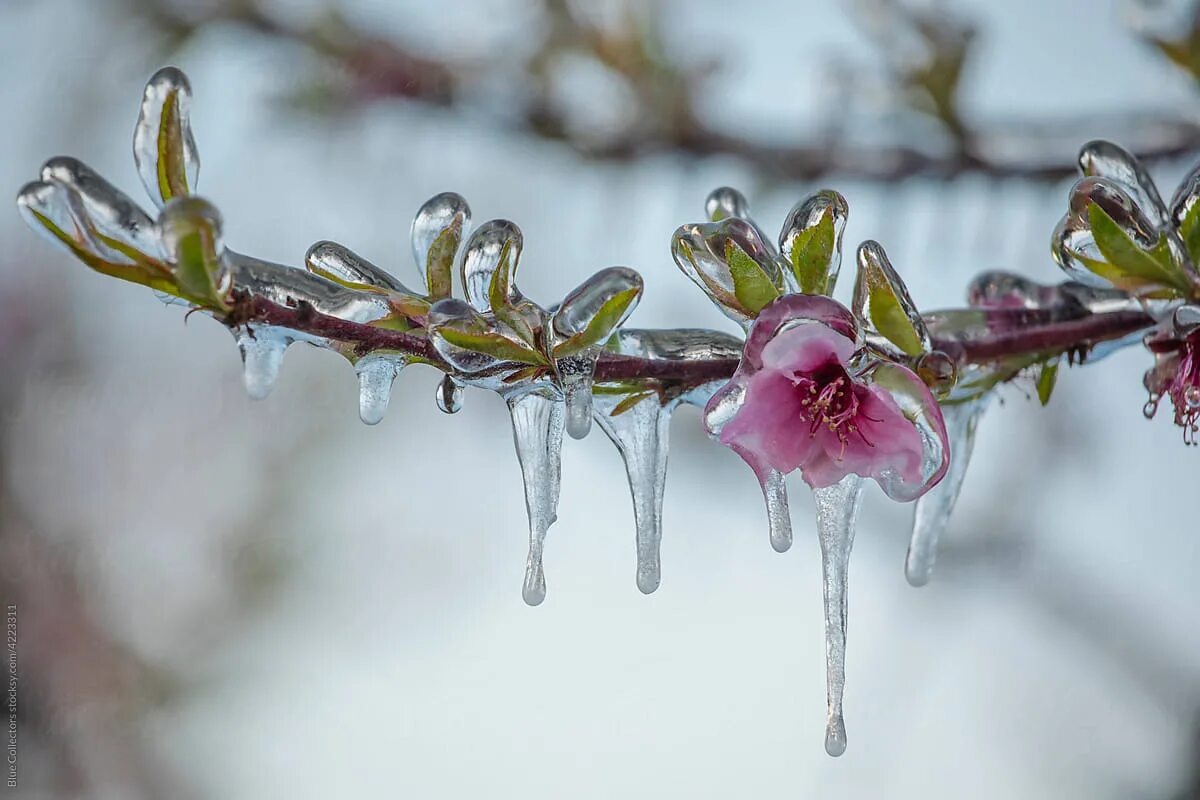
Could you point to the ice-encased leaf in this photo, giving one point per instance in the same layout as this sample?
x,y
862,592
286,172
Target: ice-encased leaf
x,y
537,421
494,246
1106,239
449,395
933,509
837,515
811,241
108,235
1103,159
163,146
117,223
590,312
472,341
437,231
340,264
881,296
731,262
190,228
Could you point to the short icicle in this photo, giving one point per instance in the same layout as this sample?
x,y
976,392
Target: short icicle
x,y
262,350
837,513
779,519
375,377
641,434
933,509
538,420
575,373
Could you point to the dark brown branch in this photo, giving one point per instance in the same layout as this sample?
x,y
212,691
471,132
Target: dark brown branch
x,y
1010,335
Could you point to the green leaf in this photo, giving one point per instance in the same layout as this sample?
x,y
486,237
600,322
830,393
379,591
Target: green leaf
x,y
812,251
499,298
493,344
172,173
197,267
1046,380
602,325
156,279
629,402
439,265
881,296
1189,230
1129,265
751,284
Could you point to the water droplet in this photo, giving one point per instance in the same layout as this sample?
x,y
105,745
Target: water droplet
x,y
537,420
933,509
449,395
837,514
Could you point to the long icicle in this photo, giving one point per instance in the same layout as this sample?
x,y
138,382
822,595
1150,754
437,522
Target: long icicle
x,y
837,513
641,434
537,419
933,509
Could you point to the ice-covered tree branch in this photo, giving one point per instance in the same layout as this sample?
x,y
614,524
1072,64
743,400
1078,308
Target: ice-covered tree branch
x,y
838,394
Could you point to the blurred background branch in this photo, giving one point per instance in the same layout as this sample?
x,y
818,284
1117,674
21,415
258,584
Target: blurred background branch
x,y
925,49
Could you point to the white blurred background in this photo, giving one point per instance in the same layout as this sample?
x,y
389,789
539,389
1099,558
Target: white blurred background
x,y
222,598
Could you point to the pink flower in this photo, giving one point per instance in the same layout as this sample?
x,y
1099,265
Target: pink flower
x,y
804,397
1176,374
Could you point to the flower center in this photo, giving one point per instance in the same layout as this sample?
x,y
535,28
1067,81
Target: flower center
x,y
831,402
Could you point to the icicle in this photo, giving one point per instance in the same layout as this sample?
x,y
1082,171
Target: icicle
x,y
575,372
641,434
449,395
933,509
262,350
837,512
778,517
375,377
537,421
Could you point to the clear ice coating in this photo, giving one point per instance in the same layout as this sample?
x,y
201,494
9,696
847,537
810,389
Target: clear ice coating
x,y
449,395
163,146
779,518
376,373
933,509
262,348
837,514
537,422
